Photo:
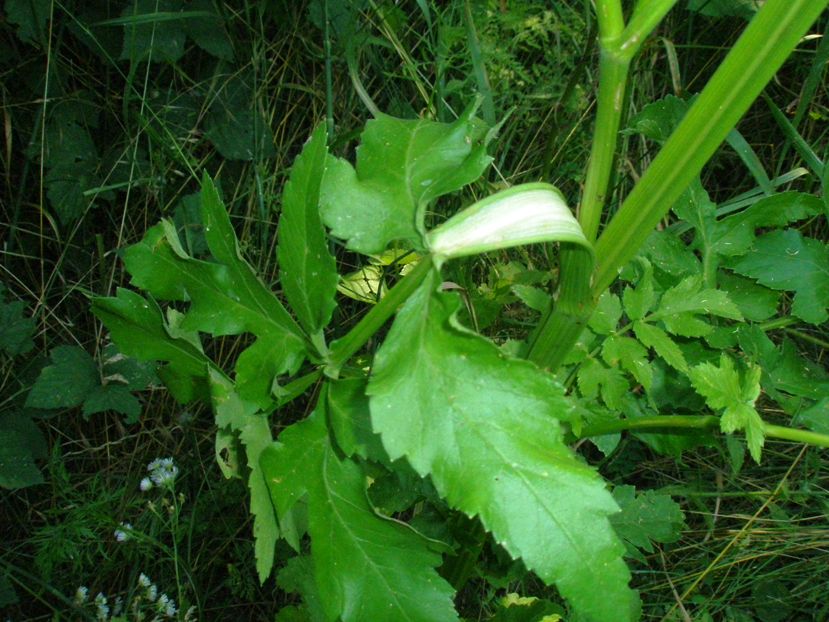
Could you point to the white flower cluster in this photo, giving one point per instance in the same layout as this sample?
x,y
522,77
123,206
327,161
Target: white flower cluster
x,y
164,605
162,474
124,532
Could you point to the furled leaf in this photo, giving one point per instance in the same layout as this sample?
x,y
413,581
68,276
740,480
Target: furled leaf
x,y
785,260
307,269
226,297
67,382
486,429
137,326
15,328
631,356
656,338
254,431
726,389
645,518
402,165
366,567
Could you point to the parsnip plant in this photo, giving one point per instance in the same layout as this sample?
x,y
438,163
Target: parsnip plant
x,y
410,458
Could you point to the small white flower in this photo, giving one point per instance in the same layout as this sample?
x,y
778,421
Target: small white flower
x,y
81,595
145,484
102,612
163,472
123,533
144,580
152,593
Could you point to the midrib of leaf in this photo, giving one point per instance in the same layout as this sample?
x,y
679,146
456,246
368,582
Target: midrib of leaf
x,y
329,493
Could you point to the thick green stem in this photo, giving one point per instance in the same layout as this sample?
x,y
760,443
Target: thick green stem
x,y
343,349
700,422
752,62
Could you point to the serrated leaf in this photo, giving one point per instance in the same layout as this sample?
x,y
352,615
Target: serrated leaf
x,y
689,297
733,393
67,382
607,314
645,518
254,431
631,355
735,234
115,397
639,300
137,326
594,379
307,269
656,338
459,411
785,260
226,297
30,17
21,443
670,254
350,420
366,567
402,165
16,329
755,302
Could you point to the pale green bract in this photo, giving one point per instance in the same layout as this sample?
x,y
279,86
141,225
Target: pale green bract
x,y
524,214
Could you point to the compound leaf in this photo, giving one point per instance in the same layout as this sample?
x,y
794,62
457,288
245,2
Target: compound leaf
x,y
254,431
486,429
307,269
402,165
785,260
366,567
656,338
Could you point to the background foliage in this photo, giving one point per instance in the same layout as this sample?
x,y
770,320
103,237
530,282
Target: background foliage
x,y
112,110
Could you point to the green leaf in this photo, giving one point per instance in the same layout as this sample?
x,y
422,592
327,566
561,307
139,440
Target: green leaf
x,y
297,577
593,378
254,431
149,34
726,389
640,300
235,124
366,567
785,260
656,338
755,302
350,420
658,119
402,165
30,17
631,355
226,297
115,397
15,328
681,305
670,254
734,235
725,8
67,382
458,410
607,314
209,32
645,518
137,326
307,269
21,443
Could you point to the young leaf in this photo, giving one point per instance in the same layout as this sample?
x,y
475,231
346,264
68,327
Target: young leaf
x,y
254,431
656,338
402,165
226,297
366,567
137,326
645,518
724,388
307,269
67,382
486,429
785,260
